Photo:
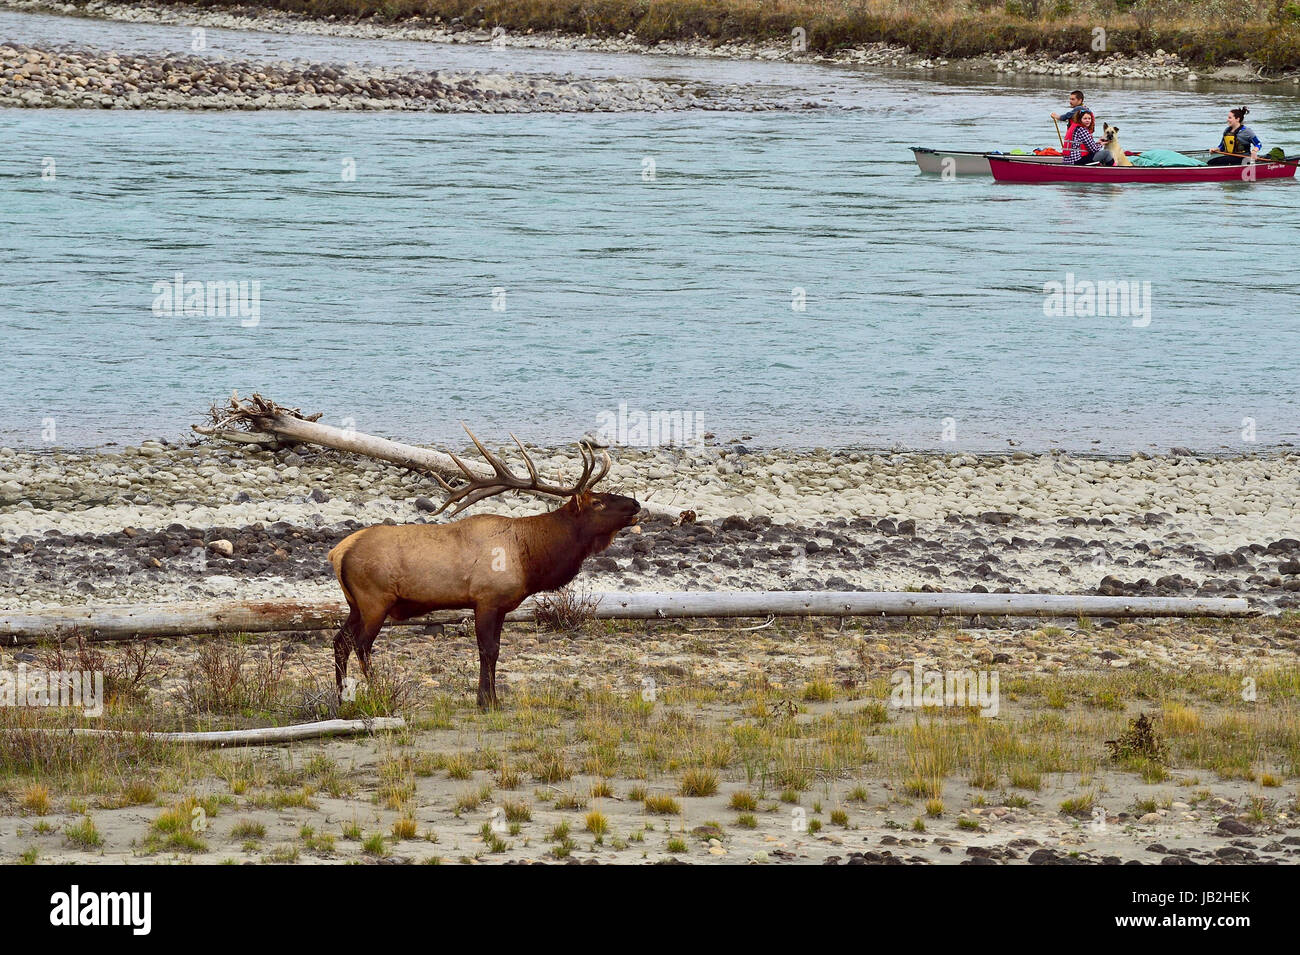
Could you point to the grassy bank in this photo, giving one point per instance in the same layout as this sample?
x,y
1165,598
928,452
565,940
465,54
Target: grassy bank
x,y
1200,31
631,743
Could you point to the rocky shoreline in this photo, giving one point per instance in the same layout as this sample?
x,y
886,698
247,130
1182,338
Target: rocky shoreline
x,y
69,77
164,522
93,79
1158,66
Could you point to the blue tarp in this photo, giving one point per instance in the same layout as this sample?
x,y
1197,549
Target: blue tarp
x,y
1165,157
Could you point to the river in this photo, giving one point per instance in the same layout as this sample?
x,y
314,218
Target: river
x,y
783,275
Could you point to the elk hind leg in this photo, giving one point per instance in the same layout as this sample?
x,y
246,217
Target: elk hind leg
x,y
358,634
343,646
367,631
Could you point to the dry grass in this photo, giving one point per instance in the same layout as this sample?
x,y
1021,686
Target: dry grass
x,y
699,782
742,737
564,610
36,799
228,678
127,672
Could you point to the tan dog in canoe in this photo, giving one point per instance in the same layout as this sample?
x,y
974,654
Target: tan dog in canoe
x,y
1112,145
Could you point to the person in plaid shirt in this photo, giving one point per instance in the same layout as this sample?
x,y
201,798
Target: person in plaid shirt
x,y
1082,149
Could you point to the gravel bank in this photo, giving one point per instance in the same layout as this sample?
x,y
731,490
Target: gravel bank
x,y
86,78
1159,66
164,522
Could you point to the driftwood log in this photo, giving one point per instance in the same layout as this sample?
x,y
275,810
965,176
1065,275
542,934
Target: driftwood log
x,y
249,737
267,421
182,619
269,424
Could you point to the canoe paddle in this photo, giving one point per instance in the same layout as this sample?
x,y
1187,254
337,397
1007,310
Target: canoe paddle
x,y
1058,131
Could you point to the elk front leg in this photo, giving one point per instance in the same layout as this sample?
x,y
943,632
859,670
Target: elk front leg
x,y
487,628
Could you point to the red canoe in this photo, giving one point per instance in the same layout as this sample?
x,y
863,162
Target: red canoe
x,y
1006,169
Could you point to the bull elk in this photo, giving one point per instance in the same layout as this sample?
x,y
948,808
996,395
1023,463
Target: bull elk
x,y
485,562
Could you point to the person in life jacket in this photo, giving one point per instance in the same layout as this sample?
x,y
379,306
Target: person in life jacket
x,y
1238,139
1081,149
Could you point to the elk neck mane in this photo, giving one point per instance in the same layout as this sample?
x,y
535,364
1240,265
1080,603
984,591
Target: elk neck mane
x,y
556,543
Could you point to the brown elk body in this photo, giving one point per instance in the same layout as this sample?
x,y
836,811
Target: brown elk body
x,y
486,563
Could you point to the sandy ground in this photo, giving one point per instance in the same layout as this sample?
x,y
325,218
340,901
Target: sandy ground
x,y
791,719
632,712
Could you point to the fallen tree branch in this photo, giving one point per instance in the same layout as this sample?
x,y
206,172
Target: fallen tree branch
x,y
830,603
263,415
240,437
242,411
288,424
169,620
183,619
762,626
249,737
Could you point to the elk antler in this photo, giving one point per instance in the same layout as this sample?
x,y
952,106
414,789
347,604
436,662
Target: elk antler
x,y
477,488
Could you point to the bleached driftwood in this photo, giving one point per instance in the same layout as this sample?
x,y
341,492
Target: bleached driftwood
x,y
241,437
275,422
263,415
829,603
251,737
169,620
163,620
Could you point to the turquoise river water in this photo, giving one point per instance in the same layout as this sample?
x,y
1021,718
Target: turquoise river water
x,y
786,275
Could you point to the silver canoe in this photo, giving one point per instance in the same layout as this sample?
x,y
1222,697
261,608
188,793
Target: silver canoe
x,y
956,162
